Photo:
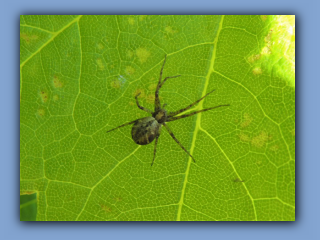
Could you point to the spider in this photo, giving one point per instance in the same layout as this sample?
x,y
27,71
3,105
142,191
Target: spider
x,y
145,130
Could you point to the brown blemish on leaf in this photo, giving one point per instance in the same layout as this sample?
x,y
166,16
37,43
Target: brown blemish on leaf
x,y
143,54
238,180
247,120
257,71
106,208
100,63
254,58
41,112
118,199
264,17
130,70
260,140
244,137
44,96
57,83
116,84
136,92
150,98
28,38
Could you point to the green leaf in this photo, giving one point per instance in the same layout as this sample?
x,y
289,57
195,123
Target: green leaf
x,y
79,76
28,207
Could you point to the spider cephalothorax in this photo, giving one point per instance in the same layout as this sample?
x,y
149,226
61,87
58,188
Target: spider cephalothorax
x,y
145,130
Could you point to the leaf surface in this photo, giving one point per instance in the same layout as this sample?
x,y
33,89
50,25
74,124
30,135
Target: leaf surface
x,y
79,76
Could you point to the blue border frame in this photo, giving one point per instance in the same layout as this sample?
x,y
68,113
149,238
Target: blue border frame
x,y
307,134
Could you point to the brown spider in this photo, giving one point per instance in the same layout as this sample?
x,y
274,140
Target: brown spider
x,y
146,129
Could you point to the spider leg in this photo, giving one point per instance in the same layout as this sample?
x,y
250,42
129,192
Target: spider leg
x,y
139,106
177,141
155,149
170,119
166,80
123,125
184,109
157,100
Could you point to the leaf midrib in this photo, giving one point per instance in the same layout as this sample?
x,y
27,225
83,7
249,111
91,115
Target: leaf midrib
x,y
198,121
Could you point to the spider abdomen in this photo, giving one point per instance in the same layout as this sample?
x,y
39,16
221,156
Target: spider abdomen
x,y
145,130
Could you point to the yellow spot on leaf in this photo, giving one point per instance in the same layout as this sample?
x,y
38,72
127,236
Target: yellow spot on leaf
x,y
55,97
150,98
116,83
41,112
244,137
247,120
260,140
100,63
257,71
143,54
254,58
57,82
131,103
28,38
131,20
141,91
267,49
142,17
100,46
170,30
152,87
130,70
264,17
267,39
274,148
44,96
